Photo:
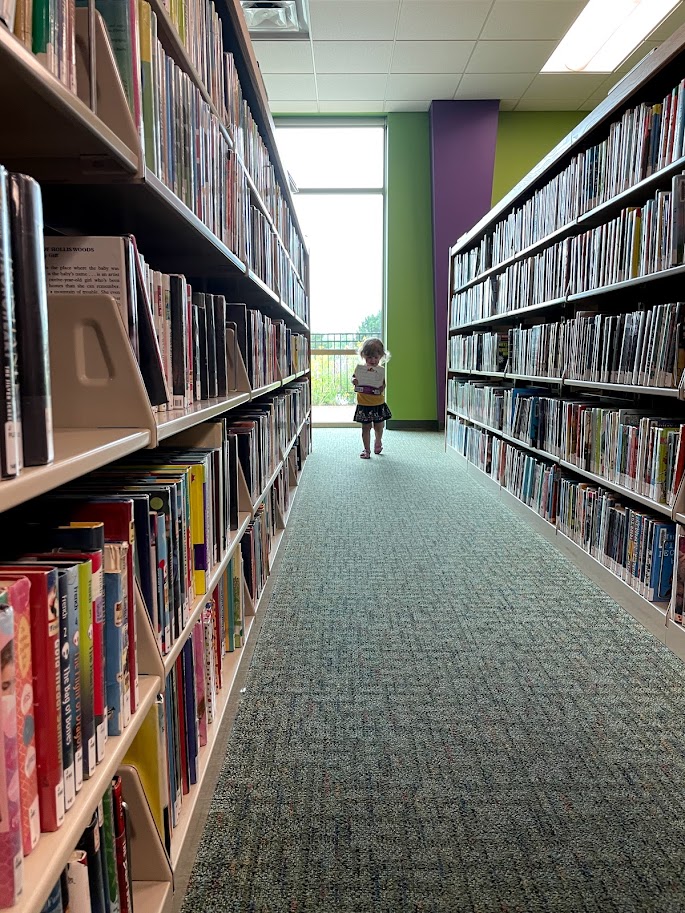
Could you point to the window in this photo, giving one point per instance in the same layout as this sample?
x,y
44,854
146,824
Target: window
x,y
340,174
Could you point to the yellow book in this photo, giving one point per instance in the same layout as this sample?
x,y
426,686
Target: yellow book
x,y
145,753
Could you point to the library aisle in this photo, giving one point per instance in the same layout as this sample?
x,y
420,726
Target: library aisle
x,y
418,734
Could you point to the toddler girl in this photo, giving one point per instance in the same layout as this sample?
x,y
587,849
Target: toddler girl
x,y
371,406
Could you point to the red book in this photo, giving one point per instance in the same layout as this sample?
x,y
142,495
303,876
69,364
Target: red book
x,y
121,848
47,699
117,517
19,593
181,715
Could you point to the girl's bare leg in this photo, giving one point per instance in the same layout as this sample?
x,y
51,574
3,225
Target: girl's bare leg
x,y
366,438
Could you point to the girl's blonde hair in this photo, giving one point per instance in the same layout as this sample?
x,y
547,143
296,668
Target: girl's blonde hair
x,y
373,346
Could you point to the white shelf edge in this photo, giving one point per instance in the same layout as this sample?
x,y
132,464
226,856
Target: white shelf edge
x,y
72,459
42,869
215,575
175,420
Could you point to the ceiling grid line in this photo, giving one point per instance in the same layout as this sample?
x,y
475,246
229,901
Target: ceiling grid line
x,y
378,56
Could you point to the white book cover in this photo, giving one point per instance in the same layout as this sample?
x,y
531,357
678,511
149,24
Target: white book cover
x,y
369,376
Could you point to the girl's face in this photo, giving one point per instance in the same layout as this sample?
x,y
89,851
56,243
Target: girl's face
x,y
373,359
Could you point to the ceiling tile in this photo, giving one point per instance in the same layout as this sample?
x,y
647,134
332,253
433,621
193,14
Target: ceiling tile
x,y
508,104
442,19
352,56
284,87
293,107
554,104
354,19
674,21
284,56
569,86
431,56
342,87
474,85
528,19
351,107
421,86
510,56
392,106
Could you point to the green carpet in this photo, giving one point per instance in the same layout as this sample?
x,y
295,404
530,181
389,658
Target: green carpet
x,y
442,715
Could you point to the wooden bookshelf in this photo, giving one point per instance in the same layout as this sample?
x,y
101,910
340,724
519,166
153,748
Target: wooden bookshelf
x,y
94,180
597,205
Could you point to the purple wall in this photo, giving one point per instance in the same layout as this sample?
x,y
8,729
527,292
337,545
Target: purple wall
x,y
463,137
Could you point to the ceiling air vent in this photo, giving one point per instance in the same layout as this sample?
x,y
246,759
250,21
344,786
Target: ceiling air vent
x,y
269,20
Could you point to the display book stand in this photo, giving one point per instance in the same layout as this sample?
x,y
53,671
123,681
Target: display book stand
x,y
656,74
95,375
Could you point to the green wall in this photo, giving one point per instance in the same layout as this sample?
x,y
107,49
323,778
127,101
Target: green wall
x,y
523,138
410,324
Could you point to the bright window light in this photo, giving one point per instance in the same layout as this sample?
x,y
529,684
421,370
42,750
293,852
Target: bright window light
x,y
606,33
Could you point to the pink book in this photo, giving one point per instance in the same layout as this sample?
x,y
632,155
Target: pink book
x,y
200,692
11,854
19,595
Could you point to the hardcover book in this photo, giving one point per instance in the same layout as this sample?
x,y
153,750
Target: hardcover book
x,y
19,598
31,315
11,853
370,379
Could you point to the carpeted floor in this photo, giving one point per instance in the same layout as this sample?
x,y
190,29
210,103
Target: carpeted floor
x,y
442,715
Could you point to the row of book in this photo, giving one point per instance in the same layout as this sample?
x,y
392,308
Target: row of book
x,y
97,877
48,28
636,546
165,753
25,406
188,344
641,453
645,140
644,348
638,242
200,30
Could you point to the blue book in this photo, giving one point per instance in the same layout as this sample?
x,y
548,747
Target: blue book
x,y
117,677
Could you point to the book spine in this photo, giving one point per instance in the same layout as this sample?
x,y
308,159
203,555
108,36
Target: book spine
x,y
10,422
31,317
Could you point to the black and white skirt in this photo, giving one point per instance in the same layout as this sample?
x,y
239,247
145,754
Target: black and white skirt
x,y
368,414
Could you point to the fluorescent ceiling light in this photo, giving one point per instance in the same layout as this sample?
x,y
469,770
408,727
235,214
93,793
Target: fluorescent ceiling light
x,y
606,33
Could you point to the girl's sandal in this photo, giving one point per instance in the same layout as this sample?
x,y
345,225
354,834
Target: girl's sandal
x,y
377,448
365,455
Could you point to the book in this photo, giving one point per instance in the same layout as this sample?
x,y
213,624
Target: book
x,y
18,593
31,319
118,684
78,882
46,687
108,838
121,847
370,379
11,456
91,845
11,852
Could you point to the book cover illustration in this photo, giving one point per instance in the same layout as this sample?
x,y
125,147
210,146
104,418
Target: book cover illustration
x,y
11,853
19,595
370,379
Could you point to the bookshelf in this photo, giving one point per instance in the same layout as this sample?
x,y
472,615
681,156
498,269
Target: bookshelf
x,y
559,336
94,179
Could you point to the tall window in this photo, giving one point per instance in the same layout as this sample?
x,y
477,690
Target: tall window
x,y
340,175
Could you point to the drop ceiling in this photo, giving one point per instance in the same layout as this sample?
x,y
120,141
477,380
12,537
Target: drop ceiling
x,y
376,56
